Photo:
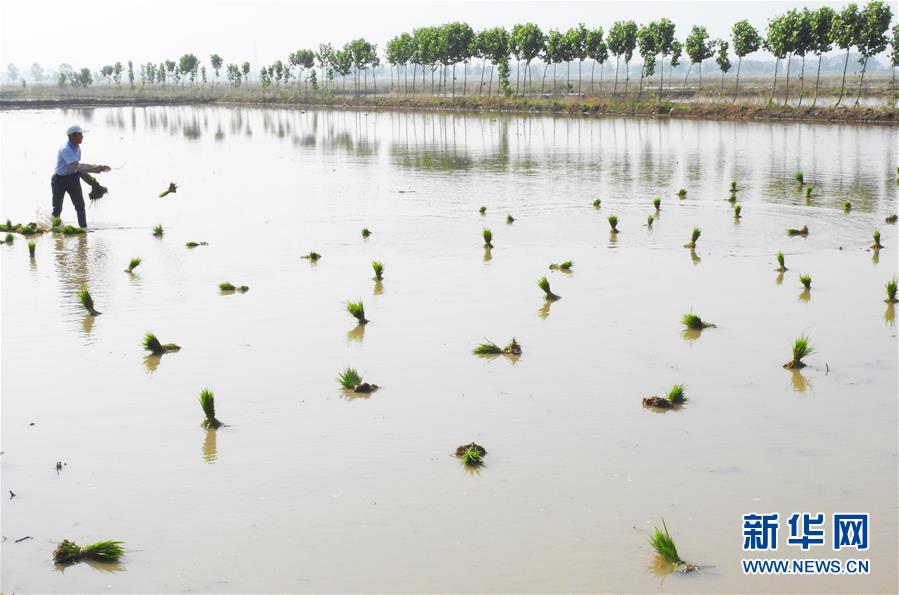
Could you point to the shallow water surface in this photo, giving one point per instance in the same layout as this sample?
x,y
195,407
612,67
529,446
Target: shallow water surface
x,y
308,489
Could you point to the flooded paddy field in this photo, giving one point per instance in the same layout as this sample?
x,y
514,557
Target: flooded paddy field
x,y
310,489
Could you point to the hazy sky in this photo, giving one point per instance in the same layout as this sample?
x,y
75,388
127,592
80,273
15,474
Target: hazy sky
x,y
96,32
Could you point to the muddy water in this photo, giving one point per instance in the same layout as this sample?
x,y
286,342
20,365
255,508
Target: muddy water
x,y
309,490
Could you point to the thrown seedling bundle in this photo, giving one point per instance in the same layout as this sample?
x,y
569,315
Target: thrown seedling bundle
x,y
657,203
847,206
472,454
9,239
69,552
737,211
563,266
682,193
664,546
891,290
357,311
733,186
801,348
365,232
510,219
173,188
378,268
84,296
488,238
543,283
693,238
649,220
133,264
808,191
694,322
798,232
780,260
799,177
877,245
158,231
207,402
151,343
312,256
597,203
227,287
351,380
613,223
32,245
491,348
675,397
195,244
891,218
482,210
806,281
68,230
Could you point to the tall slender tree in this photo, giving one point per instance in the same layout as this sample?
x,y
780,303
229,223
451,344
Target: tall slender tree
x,y
647,44
616,42
597,51
665,41
845,34
722,58
821,24
699,48
746,40
803,42
216,62
776,44
872,39
894,57
527,43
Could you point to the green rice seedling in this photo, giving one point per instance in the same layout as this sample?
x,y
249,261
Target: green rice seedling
x,y
510,219
891,290
732,198
657,203
780,260
543,283
9,239
682,193
664,546
57,222
801,348
378,268
798,232
69,230
488,238
349,378
733,185
564,266
312,256
87,301
892,218
68,552
32,245
738,209
151,343
482,210
693,237
847,206
808,191
677,394
613,223
133,264
597,203
8,226
877,245
471,455
195,244
226,286
806,281
173,187
27,230
357,311
207,402
366,232
158,231
693,321
799,177
488,348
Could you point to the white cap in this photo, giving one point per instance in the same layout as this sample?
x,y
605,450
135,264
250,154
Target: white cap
x,y
76,129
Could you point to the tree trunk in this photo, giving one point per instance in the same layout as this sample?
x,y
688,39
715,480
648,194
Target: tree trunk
x,y
861,81
817,79
615,88
555,75
490,86
592,68
801,81
642,73
543,82
517,74
374,81
483,70
684,89
787,93
843,82
661,77
627,75
454,80
413,78
464,78
774,88
737,88
602,65
579,64
700,77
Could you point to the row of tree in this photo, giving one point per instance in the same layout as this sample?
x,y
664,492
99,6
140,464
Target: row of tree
x,y
437,51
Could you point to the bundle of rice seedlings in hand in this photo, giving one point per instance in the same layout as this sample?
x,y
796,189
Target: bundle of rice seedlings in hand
x,y
133,264
664,546
891,218
378,268
657,203
798,232
68,552
682,193
510,219
207,402
613,223
87,301
170,190
799,177
312,256
801,349
693,237
97,190
32,245
564,266
357,311
543,283
151,343
365,232
488,238
195,244
780,261
597,203
806,281
693,321
891,290
877,245
158,231
471,454
482,210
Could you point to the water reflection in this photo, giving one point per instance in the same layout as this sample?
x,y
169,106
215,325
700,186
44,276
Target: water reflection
x,y
379,287
799,382
151,362
780,278
488,254
889,315
691,334
210,451
357,333
694,257
875,258
806,295
543,312
104,567
87,324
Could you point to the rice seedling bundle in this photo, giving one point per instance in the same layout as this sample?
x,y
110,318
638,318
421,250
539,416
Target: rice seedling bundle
x,y
664,546
378,268
488,238
32,245
613,223
357,311
207,402
68,552
693,321
84,296
543,283
471,454
801,349
158,231
151,343
133,264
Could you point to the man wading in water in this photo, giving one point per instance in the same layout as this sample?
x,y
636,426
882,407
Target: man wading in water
x,y
68,174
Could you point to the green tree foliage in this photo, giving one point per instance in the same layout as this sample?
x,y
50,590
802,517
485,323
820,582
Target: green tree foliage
x,y
699,48
777,43
647,42
117,70
845,33
821,22
216,62
526,44
622,42
597,51
722,59
872,39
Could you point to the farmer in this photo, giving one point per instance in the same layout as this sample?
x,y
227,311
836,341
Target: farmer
x,y
68,174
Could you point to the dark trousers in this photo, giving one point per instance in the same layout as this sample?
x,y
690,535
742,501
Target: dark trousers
x,y
72,185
